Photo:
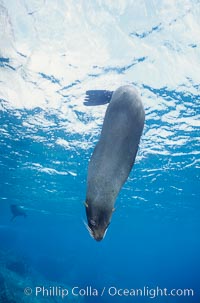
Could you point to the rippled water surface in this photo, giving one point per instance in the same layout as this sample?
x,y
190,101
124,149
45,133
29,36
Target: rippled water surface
x,y
60,61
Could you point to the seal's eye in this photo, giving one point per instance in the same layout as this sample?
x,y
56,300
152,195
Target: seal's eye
x,y
93,223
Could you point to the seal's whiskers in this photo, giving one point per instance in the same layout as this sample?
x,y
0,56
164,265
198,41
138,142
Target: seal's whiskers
x,y
89,229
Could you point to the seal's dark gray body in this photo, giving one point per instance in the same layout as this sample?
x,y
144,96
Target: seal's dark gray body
x,y
113,157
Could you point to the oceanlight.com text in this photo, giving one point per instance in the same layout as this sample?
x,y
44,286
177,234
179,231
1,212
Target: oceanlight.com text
x,y
111,291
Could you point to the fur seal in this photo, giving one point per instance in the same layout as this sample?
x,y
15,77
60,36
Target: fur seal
x,y
17,210
113,157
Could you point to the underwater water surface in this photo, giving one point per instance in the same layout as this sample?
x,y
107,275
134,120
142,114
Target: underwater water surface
x,y
59,64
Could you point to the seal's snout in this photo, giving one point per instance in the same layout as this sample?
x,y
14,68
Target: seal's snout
x,y
99,235
99,238
96,233
98,220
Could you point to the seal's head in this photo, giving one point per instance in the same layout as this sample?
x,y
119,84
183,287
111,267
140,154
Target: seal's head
x,y
98,221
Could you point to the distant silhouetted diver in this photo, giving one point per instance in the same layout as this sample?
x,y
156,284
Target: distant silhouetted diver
x,y
17,210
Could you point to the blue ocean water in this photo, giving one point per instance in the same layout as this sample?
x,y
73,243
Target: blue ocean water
x,y
52,109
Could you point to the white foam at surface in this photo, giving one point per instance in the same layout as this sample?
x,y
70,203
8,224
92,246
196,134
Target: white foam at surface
x,y
55,47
